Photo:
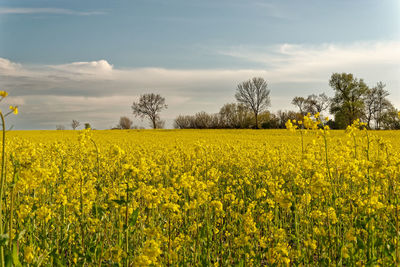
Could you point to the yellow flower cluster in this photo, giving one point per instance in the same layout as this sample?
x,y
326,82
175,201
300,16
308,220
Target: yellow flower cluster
x,y
209,198
3,94
14,109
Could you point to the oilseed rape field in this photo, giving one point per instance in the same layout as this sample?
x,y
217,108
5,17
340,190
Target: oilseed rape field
x,y
297,197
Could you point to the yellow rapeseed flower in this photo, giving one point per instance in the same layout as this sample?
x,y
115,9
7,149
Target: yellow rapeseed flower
x,y
14,109
28,254
3,94
236,197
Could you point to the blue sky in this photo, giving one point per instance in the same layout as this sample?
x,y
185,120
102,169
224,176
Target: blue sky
x,y
88,60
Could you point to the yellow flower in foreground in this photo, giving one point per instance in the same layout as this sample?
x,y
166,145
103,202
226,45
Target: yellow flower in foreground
x,y
290,126
28,254
3,94
14,109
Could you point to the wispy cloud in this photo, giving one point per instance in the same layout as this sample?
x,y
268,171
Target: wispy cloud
x,y
275,10
98,92
371,59
327,54
46,10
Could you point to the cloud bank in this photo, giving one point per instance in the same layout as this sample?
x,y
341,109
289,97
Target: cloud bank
x,y
99,93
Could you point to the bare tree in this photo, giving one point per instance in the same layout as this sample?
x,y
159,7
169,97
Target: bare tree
x,y
370,105
200,120
269,120
228,115
300,102
183,122
160,124
149,106
312,104
203,120
254,95
284,116
233,115
382,104
390,119
125,123
75,124
317,103
60,127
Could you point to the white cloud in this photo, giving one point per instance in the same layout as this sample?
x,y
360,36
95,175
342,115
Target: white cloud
x,y
100,69
8,67
92,67
15,101
100,93
45,10
312,62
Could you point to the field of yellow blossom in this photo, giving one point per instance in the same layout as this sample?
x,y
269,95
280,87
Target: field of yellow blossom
x,y
308,196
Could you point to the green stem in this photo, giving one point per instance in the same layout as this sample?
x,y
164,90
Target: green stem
x,y
82,217
11,218
370,232
2,184
326,157
302,144
102,244
12,202
355,146
97,158
126,223
397,230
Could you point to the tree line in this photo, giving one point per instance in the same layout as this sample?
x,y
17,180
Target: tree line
x,y
352,100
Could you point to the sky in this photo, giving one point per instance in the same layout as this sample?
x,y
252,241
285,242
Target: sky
x,y
89,60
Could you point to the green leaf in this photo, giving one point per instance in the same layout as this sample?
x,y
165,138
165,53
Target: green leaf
x,y
134,216
8,259
360,244
240,263
119,201
15,258
4,239
21,234
99,188
99,209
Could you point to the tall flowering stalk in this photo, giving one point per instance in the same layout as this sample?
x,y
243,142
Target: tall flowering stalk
x,y
13,109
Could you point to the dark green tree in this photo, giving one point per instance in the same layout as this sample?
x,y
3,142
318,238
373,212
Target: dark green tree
x,y
348,103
